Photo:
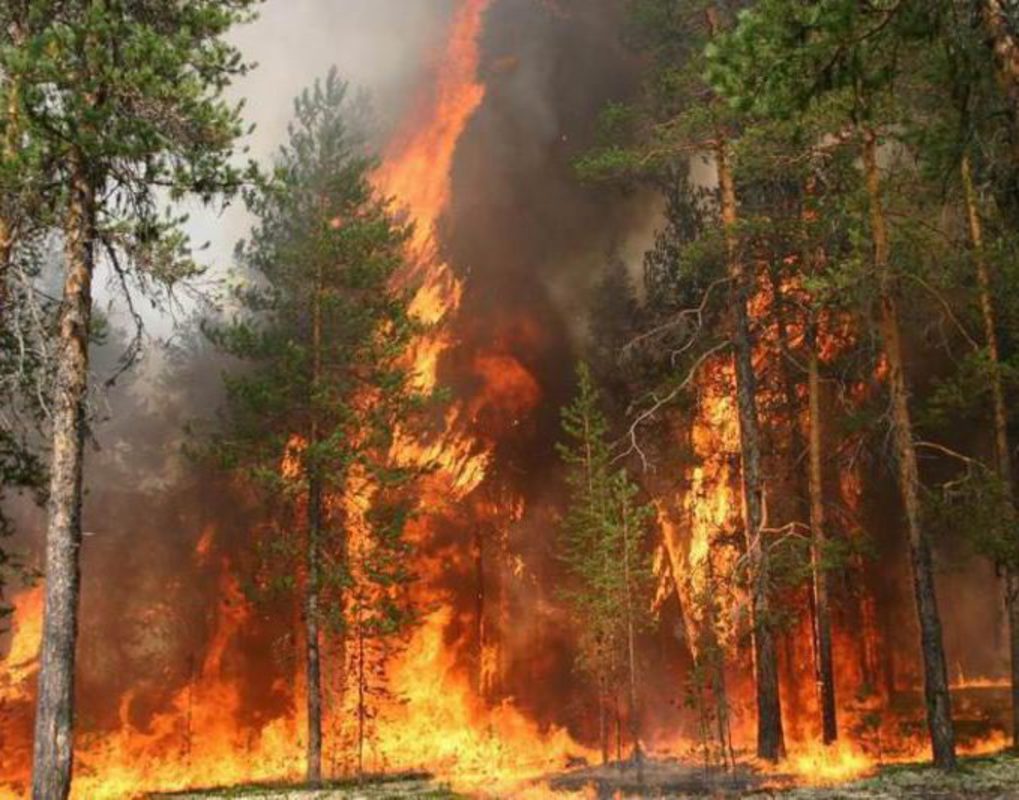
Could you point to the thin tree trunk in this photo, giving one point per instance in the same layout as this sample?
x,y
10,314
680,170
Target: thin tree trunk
x,y
631,646
54,722
313,656
483,679
823,662
312,589
1002,448
603,727
936,694
362,711
717,668
770,739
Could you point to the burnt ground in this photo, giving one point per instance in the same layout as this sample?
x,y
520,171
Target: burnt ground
x,y
985,778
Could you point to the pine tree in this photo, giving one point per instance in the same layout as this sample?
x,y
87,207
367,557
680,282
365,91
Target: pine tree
x,y
603,544
782,59
679,121
316,416
122,102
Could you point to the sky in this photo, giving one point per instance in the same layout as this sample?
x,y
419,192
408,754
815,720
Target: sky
x,y
379,45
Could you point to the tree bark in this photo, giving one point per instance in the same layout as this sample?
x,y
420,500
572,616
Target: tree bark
x,y
8,203
936,693
312,589
1005,46
1003,452
631,644
770,739
313,658
54,723
823,662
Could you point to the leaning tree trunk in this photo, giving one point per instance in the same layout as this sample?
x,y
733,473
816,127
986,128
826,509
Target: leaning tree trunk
x,y
1003,451
936,693
54,719
770,740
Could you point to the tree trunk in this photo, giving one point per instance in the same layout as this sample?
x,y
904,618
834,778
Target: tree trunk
x,y
313,656
823,662
719,690
54,722
770,740
8,203
362,694
1005,46
312,589
631,645
603,725
936,694
483,678
1003,451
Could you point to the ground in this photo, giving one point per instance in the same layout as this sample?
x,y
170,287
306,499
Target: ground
x,y
986,778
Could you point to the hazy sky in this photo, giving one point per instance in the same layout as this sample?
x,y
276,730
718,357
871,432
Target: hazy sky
x,y
381,45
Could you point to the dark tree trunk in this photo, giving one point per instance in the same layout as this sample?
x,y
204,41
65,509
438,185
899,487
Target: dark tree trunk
x,y
1003,451
936,694
314,567
479,611
631,642
54,722
823,662
770,739
362,696
1005,46
313,656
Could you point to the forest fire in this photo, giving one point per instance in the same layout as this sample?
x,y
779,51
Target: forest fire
x,y
725,487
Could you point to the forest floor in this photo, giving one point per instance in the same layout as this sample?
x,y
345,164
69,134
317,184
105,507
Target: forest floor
x,y
984,778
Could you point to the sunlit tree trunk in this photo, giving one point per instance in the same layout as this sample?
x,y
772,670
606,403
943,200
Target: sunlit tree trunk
x,y
1003,451
770,740
54,721
8,153
936,693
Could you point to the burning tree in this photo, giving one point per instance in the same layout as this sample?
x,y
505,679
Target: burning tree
x,y
326,392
